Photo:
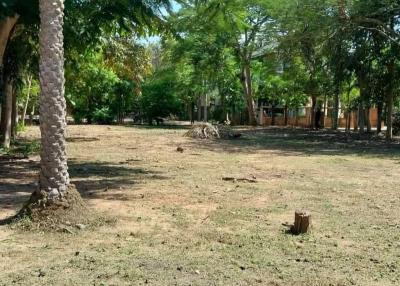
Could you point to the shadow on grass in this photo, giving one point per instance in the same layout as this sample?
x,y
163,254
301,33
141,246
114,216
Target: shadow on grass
x,y
159,127
93,180
81,139
293,142
20,148
96,178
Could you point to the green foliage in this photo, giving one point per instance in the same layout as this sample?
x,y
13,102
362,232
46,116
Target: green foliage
x,y
20,127
89,88
103,115
21,148
293,50
159,98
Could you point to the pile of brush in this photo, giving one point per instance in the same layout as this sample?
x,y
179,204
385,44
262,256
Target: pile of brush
x,y
209,131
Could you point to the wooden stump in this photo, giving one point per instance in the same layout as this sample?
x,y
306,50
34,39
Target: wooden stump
x,y
302,222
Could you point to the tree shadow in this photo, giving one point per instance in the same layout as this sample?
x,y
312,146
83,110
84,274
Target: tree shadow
x,y
81,139
165,126
18,180
294,142
93,180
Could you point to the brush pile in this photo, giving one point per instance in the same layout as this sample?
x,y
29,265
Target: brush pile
x,y
209,131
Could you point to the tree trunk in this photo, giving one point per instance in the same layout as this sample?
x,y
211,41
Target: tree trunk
x,y
54,177
286,115
367,119
389,116
199,109
14,114
6,26
355,119
335,116
192,111
31,116
248,93
6,112
272,115
379,123
206,108
325,114
389,102
313,111
27,100
361,118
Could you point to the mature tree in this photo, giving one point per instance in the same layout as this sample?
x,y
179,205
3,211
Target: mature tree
x,y
54,177
246,28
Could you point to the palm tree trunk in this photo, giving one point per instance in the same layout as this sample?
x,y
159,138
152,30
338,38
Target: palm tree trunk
x,y
54,177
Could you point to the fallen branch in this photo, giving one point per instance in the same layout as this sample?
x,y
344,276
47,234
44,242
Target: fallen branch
x,y
232,179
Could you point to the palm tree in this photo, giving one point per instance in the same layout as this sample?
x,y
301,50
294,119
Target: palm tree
x,y
54,177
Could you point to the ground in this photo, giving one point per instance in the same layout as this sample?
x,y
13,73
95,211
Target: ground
x,y
177,222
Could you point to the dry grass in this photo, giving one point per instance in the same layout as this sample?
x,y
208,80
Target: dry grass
x,y
179,223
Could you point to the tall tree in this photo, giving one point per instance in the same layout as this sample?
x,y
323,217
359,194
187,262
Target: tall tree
x,y
54,177
247,28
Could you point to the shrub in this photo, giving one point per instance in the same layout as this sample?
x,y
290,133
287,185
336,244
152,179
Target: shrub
x,y
103,116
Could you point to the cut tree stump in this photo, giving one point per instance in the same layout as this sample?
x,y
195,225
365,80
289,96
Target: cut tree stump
x,y
302,222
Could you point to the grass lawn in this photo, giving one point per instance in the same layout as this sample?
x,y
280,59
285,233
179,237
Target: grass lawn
x,y
178,223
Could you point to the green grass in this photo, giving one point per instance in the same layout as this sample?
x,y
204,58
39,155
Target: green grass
x,y
21,147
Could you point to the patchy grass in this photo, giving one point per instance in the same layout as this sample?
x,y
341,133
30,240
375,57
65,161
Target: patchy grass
x,y
21,148
179,223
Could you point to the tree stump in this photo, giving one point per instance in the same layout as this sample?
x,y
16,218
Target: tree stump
x,y
302,222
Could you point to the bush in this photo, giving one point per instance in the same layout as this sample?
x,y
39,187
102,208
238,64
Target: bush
x,y
21,127
159,98
103,116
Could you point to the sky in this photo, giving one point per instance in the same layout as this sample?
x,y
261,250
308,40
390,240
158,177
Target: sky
x,y
155,39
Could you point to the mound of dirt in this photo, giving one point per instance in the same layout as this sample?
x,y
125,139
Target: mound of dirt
x,y
71,210
209,131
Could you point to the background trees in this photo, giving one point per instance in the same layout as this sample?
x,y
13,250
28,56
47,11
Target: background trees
x,y
214,59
